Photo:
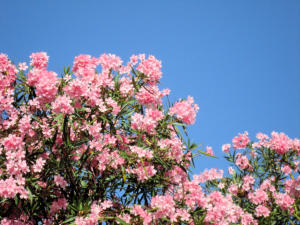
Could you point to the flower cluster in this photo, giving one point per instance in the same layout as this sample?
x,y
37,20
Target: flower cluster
x,y
97,145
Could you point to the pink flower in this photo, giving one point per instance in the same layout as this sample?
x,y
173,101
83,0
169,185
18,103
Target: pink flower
x,y
40,162
280,143
231,171
207,175
286,169
115,108
248,181
209,150
185,110
139,211
62,104
242,161
126,87
241,141
134,59
174,146
45,83
143,172
283,200
77,88
226,147
166,91
149,96
23,66
233,189
106,204
151,67
262,211
221,185
39,60
57,205
258,197
110,61
60,181
125,217
9,188
85,66
295,187
13,142
164,204
148,122
141,152
4,62
261,136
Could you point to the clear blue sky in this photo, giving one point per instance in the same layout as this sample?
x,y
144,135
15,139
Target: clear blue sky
x,y
239,59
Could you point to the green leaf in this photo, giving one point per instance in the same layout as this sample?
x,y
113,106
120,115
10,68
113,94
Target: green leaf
x,y
69,220
204,153
83,184
30,196
121,221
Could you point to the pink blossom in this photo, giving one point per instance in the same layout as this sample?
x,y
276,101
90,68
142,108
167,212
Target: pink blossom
x,y
9,188
242,161
164,205
166,91
295,187
45,83
13,142
139,211
23,66
248,181
241,140
134,59
258,197
221,185
39,164
106,204
149,96
85,66
77,88
185,110
233,189
126,87
141,152
207,175
226,147
143,172
231,171
209,150
146,123
286,169
125,217
57,205
115,108
175,147
261,136
39,60
4,62
280,143
62,104
283,200
110,61
151,67
60,181
262,211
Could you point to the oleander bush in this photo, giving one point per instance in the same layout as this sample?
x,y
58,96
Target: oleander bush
x,y
107,146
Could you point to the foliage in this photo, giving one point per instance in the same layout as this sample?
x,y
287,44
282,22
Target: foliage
x,y
89,147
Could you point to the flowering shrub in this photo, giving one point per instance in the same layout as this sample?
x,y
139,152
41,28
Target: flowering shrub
x,y
101,146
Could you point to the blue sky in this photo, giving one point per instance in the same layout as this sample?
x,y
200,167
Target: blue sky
x,y
240,60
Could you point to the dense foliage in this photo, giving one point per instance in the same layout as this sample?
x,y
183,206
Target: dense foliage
x,y
94,146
